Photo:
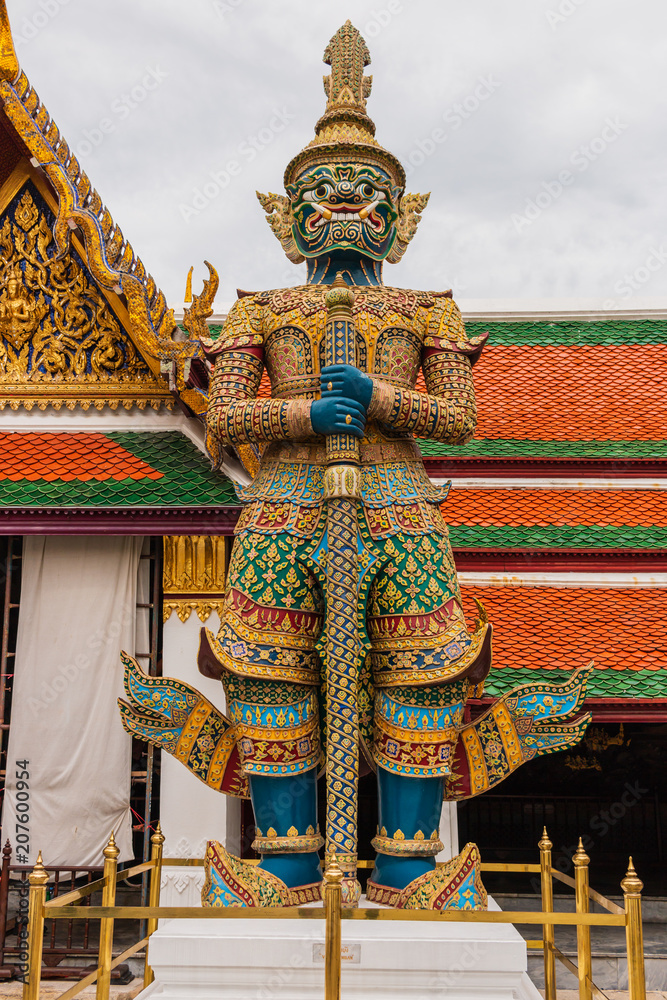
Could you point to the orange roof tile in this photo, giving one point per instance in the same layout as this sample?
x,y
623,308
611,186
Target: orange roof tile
x,y
499,507
581,392
558,628
68,457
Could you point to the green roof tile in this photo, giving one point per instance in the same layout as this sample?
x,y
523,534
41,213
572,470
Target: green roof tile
x,y
558,537
516,448
187,480
602,684
572,332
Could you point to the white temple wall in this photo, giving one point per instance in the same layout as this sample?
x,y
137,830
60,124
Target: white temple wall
x,y
190,812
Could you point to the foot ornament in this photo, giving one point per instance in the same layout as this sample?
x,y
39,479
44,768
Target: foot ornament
x,y
456,885
232,882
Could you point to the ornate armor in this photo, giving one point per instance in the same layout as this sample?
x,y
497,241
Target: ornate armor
x,y
412,623
342,630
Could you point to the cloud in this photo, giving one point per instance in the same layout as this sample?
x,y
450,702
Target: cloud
x,y
227,68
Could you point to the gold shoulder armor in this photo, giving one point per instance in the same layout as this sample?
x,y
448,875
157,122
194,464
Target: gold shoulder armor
x,y
243,327
446,330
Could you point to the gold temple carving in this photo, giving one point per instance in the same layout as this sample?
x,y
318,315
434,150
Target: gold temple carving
x,y
61,342
194,574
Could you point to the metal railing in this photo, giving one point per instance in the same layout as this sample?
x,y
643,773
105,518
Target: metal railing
x,y
65,908
71,939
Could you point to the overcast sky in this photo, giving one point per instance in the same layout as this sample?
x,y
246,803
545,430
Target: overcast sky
x,y
539,126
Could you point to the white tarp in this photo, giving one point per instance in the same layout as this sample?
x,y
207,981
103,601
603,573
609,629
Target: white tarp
x,y
77,611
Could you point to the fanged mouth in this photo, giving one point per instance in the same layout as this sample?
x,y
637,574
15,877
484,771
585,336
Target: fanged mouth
x,y
345,213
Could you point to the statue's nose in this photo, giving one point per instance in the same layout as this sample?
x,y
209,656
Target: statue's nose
x,y
345,187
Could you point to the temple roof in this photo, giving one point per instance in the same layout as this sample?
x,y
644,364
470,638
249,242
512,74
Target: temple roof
x,y
551,518
549,630
72,261
570,392
126,482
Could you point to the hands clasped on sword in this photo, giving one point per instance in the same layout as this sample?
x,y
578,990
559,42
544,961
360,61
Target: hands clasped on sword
x,y
346,395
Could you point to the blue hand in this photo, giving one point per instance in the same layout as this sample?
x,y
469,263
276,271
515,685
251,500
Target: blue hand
x,y
328,416
346,380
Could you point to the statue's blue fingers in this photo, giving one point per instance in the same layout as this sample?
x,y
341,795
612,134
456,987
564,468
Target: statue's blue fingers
x,y
354,428
352,406
338,369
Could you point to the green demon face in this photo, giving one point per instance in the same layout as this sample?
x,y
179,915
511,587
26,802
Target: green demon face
x,y
348,206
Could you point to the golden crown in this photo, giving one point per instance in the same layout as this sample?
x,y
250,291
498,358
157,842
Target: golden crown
x,y
345,132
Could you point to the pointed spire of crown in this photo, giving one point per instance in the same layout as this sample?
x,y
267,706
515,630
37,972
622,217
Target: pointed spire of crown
x,y
345,132
347,54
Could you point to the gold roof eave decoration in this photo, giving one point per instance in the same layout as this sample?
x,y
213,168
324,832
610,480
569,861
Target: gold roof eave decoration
x,y
84,224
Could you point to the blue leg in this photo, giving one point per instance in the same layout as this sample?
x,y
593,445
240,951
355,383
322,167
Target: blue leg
x,y
411,807
281,805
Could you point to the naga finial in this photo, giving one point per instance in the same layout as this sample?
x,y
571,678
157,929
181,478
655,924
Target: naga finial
x,y
9,64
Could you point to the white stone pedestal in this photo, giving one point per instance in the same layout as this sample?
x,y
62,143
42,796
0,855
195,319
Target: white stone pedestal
x,y
284,960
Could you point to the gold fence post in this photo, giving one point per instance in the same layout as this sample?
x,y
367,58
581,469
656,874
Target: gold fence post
x,y
157,840
584,961
37,879
548,937
333,887
111,853
632,887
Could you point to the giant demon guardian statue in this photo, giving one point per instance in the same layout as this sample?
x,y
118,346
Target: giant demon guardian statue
x,y
343,642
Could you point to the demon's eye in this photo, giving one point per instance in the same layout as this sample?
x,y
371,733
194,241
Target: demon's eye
x,y
321,192
367,190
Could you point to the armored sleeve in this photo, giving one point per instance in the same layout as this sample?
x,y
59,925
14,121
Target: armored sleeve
x,y
447,410
235,415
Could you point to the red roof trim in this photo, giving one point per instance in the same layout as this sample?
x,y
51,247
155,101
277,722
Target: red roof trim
x,y
602,709
120,521
514,561
580,468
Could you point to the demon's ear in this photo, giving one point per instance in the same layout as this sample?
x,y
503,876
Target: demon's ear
x,y
409,215
279,217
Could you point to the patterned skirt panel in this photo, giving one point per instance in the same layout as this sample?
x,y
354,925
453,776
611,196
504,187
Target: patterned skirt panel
x,y
413,687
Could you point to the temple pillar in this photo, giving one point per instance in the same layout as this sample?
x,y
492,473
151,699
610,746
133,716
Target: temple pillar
x,y
190,812
449,832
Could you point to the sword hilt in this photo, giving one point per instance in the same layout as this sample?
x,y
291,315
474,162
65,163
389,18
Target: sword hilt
x,y
343,453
